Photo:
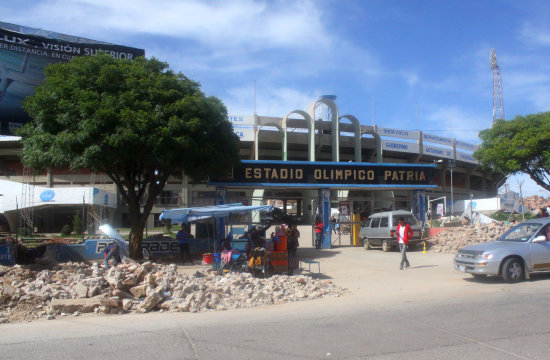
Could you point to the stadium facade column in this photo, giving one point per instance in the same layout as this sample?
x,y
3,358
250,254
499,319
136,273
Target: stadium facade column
x,y
324,213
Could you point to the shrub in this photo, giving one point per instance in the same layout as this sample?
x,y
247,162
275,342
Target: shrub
x,y
25,231
77,224
167,226
66,230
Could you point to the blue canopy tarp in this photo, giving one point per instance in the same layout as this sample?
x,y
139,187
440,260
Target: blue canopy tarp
x,y
185,215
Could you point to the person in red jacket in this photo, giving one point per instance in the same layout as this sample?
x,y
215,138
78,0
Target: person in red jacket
x,y
318,231
404,232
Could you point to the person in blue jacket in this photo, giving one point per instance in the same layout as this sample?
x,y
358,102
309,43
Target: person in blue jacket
x,y
184,238
112,251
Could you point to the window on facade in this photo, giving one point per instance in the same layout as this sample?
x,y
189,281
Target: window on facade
x,y
167,197
203,198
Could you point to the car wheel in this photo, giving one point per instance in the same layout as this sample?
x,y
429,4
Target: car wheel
x,y
512,270
366,244
386,246
479,276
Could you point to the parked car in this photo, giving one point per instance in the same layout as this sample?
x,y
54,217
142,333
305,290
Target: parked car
x,y
522,250
379,230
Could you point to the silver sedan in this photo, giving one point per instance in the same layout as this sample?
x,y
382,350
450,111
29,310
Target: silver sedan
x,y
522,250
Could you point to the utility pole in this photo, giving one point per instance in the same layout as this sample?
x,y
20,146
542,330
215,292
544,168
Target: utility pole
x,y
520,184
451,165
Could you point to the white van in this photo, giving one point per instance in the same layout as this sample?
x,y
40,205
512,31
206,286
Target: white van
x,y
379,230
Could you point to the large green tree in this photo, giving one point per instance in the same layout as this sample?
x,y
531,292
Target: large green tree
x,y
521,145
137,121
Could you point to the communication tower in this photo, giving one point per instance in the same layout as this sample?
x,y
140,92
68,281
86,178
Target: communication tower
x,y
498,107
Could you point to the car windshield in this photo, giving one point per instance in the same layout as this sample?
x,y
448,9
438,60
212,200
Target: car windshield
x,y
521,232
409,219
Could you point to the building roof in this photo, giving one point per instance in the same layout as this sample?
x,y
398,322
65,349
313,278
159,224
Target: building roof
x,y
6,138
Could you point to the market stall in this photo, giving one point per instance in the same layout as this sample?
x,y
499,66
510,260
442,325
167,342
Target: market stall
x,y
220,212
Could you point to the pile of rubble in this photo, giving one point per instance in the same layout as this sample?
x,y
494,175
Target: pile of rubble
x,y
452,239
28,293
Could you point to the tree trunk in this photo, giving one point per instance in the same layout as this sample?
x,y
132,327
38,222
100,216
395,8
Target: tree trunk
x,y
137,224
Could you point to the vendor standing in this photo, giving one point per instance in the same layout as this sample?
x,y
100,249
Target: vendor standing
x,y
318,231
184,237
292,236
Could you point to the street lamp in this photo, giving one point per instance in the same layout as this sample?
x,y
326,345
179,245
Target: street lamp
x,y
451,164
444,198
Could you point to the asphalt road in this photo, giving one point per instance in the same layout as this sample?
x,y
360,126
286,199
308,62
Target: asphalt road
x,y
427,312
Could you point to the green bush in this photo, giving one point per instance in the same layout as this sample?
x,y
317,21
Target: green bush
x,y
25,231
66,230
504,216
167,226
77,224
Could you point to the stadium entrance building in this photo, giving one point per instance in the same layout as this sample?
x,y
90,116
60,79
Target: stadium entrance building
x,y
309,162
320,179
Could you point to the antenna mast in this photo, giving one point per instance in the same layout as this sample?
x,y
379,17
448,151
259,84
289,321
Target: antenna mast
x,y
498,107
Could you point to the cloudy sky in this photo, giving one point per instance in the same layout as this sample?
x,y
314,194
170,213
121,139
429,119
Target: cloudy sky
x,y
424,64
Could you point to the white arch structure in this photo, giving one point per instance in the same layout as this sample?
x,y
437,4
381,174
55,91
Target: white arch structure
x,y
335,124
357,138
257,137
309,117
311,133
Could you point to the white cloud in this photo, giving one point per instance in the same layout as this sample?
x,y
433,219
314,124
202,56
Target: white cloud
x,y
411,78
270,100
528,186
534,35
457,122
226,24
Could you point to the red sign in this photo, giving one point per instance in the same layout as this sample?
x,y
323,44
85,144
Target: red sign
x,y
344,208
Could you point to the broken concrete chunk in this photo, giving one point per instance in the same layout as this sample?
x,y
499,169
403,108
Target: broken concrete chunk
x,y
150,301
139,291
81,290
112,302
84,305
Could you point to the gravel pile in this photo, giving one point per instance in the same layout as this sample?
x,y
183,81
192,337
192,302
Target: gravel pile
x,y
28,293
452,239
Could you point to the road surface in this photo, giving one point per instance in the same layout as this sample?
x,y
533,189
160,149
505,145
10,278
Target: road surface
x,y
426,312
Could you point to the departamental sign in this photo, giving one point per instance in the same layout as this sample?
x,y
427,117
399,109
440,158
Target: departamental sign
x,y
437,139
331,174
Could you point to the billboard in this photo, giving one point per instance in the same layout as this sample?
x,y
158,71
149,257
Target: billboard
x,y
406,134
24,52
328,174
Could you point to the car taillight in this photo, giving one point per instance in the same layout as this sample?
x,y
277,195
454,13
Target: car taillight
x,y
392,233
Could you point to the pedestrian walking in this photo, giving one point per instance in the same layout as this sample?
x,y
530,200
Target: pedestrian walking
x,y
333,223
404,232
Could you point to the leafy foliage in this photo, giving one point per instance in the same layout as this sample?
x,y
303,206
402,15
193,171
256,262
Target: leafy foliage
x,y
136,121
66,230
77,224
521,145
